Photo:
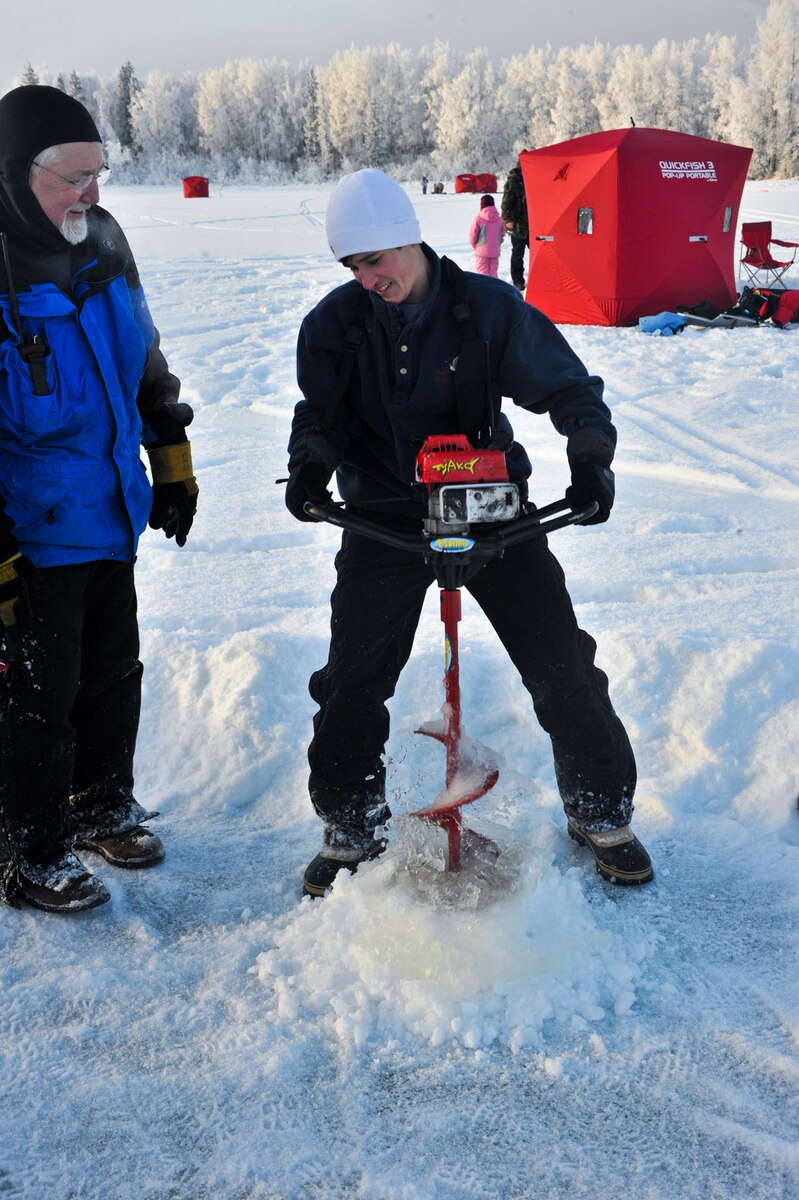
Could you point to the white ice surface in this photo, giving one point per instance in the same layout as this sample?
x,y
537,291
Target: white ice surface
x,y
528,1033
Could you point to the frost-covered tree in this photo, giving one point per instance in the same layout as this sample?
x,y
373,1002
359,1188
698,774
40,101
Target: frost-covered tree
x,y
525,100
679,85
633,92
440,65
28,75
721,84
75,87
772,94
99,96
400,107
679,101
127,88
316,144
468,131
374,154
390,107
251,111
281,87
311,142
163,118
219,118
578,77
347,86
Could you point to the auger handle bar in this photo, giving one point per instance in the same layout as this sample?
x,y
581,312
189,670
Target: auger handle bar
x,y
536,524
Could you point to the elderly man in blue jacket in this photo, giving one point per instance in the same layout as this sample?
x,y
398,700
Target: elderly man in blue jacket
x,y
83,384
365,412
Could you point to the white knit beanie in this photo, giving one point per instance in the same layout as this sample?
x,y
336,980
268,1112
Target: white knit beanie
x,y
368,211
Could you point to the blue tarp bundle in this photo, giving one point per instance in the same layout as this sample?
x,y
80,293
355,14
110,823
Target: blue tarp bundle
x,y
664,324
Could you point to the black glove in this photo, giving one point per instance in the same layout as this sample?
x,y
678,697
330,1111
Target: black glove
x,y
174,506
308,482
590,481
175,490
311,467
590,453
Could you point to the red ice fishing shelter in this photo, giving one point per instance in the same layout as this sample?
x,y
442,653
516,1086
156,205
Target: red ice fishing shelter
x,y
195,185
476,183
631,222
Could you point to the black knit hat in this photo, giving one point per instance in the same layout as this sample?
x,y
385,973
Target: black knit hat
x,y
33,118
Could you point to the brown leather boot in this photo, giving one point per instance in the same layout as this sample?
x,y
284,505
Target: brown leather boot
x,y
135,848
619,856
60,886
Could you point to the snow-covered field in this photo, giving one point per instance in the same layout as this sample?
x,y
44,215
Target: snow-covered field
x,y
534,1034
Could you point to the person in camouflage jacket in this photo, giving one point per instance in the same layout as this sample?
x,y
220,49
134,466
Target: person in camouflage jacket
x,y
514,214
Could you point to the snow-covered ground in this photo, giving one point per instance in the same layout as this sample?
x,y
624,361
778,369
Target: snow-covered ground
x,y
417,1035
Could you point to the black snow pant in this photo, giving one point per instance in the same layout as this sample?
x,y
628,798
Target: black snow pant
x,y
376,605
517,248
70,698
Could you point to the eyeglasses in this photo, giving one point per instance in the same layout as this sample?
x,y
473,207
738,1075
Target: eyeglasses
x,y
84,181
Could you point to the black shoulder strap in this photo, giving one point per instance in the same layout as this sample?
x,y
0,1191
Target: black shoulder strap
x,y
476,407
352,342
32,349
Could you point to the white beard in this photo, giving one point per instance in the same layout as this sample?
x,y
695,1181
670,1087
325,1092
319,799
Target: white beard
x,y
75,228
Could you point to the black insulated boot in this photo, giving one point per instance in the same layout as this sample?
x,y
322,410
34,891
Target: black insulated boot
x,y
619,856
60,886
320,873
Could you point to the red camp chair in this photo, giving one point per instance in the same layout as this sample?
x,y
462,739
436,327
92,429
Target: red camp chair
x,y
757,261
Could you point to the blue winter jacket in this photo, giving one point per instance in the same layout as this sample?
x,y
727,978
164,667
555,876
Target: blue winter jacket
x,y
71,472
403,389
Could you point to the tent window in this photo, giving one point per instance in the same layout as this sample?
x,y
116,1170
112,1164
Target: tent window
x,y
585,220
727,219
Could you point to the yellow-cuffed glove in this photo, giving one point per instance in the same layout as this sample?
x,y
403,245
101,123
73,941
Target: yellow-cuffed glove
x,y
15,574
175,490
14,577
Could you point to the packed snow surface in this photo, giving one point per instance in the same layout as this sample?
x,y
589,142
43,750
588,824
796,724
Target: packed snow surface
x,y
520,1031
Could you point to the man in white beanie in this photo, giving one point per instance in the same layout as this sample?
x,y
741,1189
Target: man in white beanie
x,y
413,347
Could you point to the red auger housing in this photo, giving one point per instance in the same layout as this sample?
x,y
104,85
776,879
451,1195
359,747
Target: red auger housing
x,y
464,486
450,458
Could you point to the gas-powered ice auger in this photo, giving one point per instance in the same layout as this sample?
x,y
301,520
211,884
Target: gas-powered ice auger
x,y
467,492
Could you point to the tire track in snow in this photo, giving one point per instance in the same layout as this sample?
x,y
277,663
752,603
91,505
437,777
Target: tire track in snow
x,y
747,470
309,216
764,215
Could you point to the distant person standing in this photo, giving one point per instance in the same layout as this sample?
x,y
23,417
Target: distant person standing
x,y
424,185
514,214
486,235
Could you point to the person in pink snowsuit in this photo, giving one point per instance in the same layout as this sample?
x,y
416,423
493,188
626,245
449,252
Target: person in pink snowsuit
x,y
485,237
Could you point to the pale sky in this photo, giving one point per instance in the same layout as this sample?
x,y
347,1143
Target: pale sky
x,y
175,36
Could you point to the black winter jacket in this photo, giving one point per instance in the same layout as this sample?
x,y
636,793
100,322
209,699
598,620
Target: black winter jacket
x,y
402,389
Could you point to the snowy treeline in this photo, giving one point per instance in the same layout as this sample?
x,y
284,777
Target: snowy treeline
x,y
441,111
